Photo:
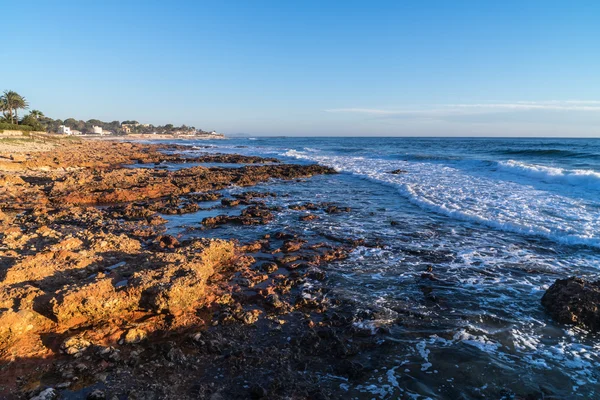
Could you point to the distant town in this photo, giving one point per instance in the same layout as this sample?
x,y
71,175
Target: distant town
x,y
11,102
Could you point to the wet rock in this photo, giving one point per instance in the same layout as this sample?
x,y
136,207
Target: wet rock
x,y
230,202
304,207
250,195
258,392
290,246
269,267
574,301
308,217
351,369
252,215
397,171
336,209
96,395
46,394
284,236
316,274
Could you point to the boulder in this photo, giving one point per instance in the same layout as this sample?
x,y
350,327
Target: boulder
x,y
574,301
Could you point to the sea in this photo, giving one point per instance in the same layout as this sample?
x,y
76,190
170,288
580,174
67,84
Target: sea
x,y
496,221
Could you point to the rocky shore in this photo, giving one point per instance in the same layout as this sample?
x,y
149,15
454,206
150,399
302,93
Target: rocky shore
x,y
98,301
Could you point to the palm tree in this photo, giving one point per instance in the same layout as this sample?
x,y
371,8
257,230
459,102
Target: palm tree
x,y
37,114
13,101
4,108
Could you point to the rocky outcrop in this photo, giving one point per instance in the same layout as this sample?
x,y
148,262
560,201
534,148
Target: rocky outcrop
x,y
88,292
574,301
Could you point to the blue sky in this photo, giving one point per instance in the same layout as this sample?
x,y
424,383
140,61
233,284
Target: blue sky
x,y
376,68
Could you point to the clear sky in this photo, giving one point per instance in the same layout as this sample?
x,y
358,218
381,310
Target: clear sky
x,y
465,68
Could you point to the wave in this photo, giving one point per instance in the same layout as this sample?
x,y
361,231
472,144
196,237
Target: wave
x,y
432,157
545,152
579,177
501,205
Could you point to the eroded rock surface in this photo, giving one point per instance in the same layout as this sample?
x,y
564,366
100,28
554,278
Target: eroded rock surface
x,y
88,292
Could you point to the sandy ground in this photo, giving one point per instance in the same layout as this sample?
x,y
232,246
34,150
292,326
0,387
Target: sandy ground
x,y
25,145
12,147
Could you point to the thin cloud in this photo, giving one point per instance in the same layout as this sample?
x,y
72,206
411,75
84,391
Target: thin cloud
x,y
478,108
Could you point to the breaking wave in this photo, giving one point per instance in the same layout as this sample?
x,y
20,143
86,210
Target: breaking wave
x,y
585,178
502,205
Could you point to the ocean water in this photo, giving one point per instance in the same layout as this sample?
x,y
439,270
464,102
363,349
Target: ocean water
x,y
498,221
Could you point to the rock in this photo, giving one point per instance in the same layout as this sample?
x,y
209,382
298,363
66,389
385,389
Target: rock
x,y
96,395
230,202
46,394
308,217
135,335
250,317
336,209
176,355
74,346
167,241
274,301
398,171
304,207
269,267
574,301
257,391
292,245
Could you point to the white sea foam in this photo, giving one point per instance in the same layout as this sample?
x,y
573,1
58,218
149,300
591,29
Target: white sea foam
x,y
579,177
500,204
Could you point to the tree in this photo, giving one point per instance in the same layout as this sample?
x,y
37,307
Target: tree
x,y
13,101
32,121
6,113
37,114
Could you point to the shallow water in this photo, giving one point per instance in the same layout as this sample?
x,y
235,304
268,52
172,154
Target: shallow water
x,y
498,221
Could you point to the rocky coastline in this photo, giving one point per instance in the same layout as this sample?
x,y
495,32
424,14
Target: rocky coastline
x,y
99,301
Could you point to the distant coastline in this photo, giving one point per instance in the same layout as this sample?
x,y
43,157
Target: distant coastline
x,y
150,136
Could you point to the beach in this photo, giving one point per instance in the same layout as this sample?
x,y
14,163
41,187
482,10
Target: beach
x,y
292,268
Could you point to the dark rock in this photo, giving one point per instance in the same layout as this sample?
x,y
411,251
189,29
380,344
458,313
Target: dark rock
x,y
258,392
269,267
96,395
398,171
167,241
230,202
336,209
574,301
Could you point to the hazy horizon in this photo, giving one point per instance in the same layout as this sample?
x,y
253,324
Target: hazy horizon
x,y
436,69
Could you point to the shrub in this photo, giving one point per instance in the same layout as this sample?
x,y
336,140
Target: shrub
x,y
13,127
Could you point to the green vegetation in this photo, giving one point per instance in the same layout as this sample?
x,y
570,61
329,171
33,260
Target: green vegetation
x,y
11,102
14,127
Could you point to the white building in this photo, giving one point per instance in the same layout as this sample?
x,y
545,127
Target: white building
x,y
97,130
65,130
75,132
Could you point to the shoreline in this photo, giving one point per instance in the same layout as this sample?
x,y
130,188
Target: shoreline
x,y
105,299
150,137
